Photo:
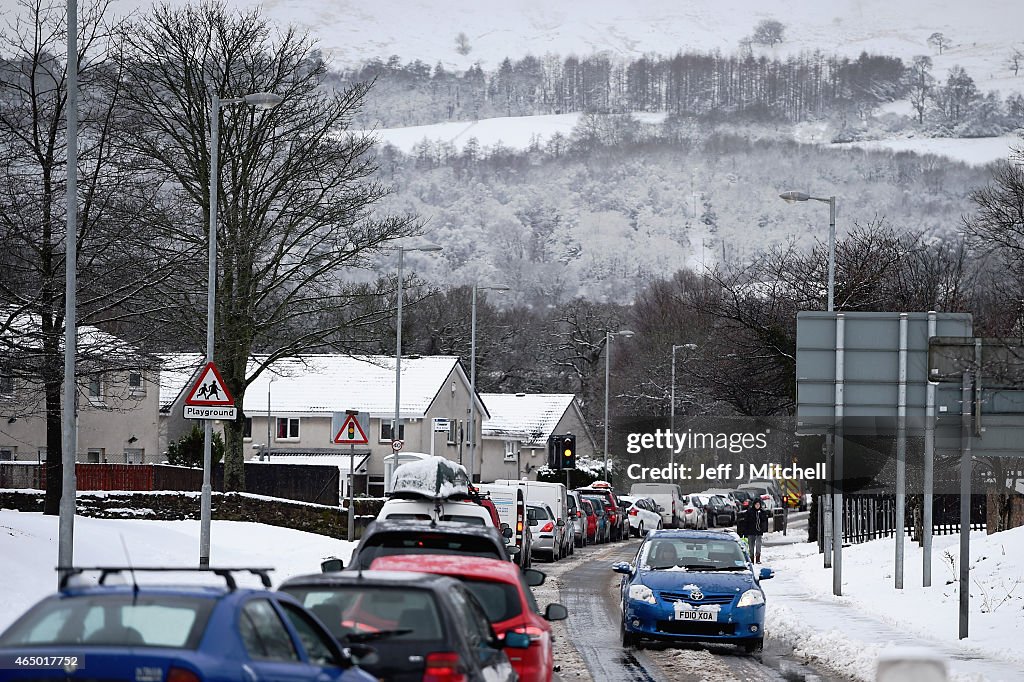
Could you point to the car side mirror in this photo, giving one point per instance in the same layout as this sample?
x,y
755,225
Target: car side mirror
x,y
560,523
622,567
331,565
517,640
512,550
556,612
766,573
661,509
506,532
533,577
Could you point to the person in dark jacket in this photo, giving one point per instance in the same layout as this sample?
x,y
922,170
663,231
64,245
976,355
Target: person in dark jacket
x,y
755,524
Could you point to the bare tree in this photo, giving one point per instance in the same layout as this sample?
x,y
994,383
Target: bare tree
x,y
462,45
1015,59
295,197
768,32
921,83
117,260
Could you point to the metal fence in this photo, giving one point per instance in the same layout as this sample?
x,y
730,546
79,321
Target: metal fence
x,y
869,517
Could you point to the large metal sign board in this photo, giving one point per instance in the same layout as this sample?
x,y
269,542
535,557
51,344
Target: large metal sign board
x,y
871,348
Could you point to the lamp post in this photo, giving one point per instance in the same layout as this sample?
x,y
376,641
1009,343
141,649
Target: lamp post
x,y
396,425
472,379
672,409
792,197
607,373
267,452
831,533
259,100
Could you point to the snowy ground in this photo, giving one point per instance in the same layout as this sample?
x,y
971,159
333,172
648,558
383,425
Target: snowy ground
x,y
28,550
848,633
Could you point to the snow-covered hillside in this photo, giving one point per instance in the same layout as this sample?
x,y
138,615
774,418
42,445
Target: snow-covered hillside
x,y
351,31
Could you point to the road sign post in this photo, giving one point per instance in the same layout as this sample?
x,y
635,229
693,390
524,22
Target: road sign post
x,y
350,431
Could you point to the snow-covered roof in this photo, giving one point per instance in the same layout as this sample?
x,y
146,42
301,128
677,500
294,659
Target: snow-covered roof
x,y
21,331
324,384
530,418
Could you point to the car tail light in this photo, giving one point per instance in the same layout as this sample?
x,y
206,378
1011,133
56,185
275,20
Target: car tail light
x,y
443,667
181,675
766,497
535,633
547,527
632,512
689,510
579,514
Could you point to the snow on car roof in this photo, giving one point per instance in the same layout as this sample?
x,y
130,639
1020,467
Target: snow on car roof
x,y
432,477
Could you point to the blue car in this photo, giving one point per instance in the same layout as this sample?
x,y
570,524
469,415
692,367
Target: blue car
x,y
692,585
194,633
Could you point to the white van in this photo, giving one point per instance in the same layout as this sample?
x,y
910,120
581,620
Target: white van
x,y
553,495
510,504
667,496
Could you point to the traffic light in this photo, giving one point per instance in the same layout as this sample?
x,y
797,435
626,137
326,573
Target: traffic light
x,y
568,452
554,452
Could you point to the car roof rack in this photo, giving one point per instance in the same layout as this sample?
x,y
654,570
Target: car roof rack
x,y
223,572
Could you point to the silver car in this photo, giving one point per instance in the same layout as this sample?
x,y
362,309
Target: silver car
x,y
578,520
693,513
547,531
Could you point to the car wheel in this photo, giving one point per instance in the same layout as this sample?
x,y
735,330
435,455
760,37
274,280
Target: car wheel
x,y
629,639
640,530
753,646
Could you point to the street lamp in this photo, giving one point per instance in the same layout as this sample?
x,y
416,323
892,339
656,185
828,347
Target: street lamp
x,y
396,426
793,197
259,100
672,409
607,372
472,380
267,452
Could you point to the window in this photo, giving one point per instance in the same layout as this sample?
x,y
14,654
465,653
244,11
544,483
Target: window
x,y
7,454
95,456
247,428
263,633
385,431
134,455
6,385
287,428
95,390
510,450
135,383
454,431
315,641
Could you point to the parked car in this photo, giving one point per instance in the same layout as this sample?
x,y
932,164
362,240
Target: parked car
x,y
768,499
510,505
443,510
693,514
688,585
617,524
668,496
591,517
423,626
384,538
642,514
175,633
555,496
503,592
716,511
604,526
744,498
577,520
548,532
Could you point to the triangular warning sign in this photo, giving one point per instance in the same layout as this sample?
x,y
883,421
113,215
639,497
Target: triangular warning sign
x,y
210,390
351,433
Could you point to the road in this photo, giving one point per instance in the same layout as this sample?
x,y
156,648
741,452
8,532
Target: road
x,y
588,645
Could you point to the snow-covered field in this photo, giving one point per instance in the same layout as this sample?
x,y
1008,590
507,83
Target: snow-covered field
x,y
872,617
976,151
28,551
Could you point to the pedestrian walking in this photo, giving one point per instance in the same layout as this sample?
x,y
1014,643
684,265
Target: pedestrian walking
x,y
755,525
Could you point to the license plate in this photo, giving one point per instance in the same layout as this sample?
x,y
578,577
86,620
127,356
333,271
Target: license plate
x,y
698,615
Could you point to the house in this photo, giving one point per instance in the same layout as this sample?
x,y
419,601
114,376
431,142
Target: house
x,y
117,397
515,438
293,408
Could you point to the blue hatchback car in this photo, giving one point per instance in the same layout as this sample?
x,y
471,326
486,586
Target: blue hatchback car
x,y
191,633
691,585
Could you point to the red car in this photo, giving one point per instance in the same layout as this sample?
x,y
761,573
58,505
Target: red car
x,y
588,509
616,518
501,589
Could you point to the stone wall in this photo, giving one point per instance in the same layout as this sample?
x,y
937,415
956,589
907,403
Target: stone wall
x,y
312,518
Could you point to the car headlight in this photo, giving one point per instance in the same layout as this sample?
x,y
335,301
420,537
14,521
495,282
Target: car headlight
x,y
639,592
751,598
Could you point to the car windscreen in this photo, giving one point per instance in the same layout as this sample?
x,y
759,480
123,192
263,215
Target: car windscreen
x,y
500,600
473,520
392,613
626,504
537,514
597,503
425,542
114,620
692,554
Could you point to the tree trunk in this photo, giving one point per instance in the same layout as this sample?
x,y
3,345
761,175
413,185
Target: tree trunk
x,y
54,445
234,453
